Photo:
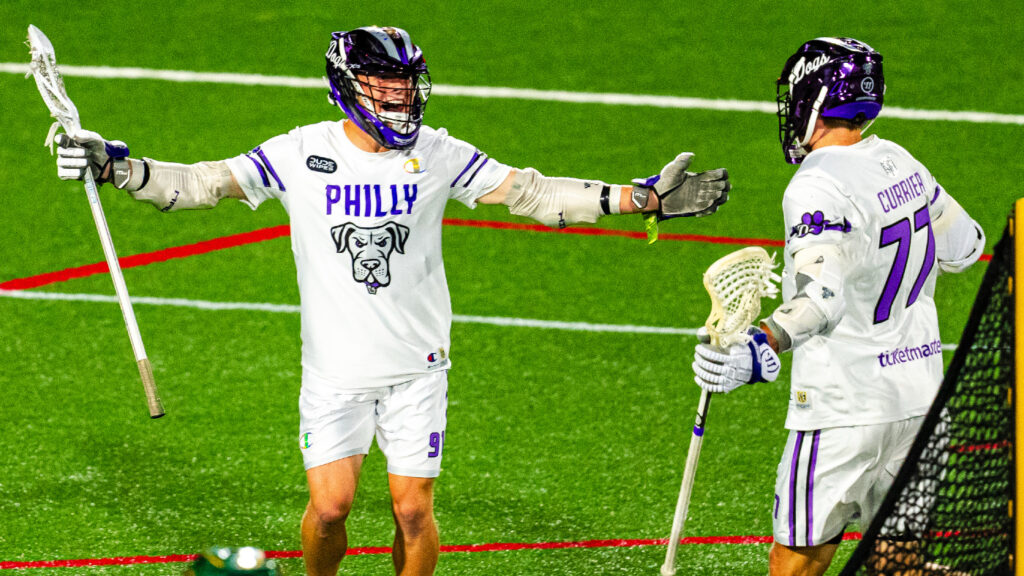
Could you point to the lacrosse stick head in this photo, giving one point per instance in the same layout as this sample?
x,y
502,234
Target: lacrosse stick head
x,y
736,283
43,68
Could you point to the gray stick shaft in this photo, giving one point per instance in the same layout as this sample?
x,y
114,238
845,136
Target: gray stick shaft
x,y
686,489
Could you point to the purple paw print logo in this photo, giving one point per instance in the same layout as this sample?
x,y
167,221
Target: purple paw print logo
x,y
815,223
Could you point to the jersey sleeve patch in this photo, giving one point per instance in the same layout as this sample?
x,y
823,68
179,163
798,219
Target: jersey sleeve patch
x,y
815,211
814,223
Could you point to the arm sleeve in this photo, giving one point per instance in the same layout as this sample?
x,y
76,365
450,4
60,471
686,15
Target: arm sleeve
x,y
959,240
470,173
255,170
820,225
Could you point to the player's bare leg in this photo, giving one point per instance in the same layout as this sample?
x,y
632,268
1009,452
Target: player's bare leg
x,y
332,487
416,539
800,560
898,558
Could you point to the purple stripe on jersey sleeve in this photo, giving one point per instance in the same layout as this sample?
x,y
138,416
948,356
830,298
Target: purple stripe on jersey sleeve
x,y
810,488
794,466
476,155
266,162
938,190
486,160
259,167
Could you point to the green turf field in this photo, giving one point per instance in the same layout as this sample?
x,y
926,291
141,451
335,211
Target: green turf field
x,y
554,436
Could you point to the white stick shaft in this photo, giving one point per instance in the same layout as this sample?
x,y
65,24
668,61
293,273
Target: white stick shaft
x,y
156,408
115,267
689,474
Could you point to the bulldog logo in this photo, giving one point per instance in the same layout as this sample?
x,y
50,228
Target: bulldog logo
x,y
370,249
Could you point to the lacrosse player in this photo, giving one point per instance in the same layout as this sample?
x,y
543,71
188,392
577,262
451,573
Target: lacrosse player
x,y
868,230
365,197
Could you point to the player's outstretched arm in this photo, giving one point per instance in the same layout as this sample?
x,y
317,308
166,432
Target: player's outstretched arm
x,y
559,202
165,185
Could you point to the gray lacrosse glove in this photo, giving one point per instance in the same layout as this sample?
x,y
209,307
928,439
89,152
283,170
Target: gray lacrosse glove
x,y
683,193
106,159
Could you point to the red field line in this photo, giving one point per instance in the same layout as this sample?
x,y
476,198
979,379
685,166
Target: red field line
x,y
492,547
608,232
284,230
149,258
989,446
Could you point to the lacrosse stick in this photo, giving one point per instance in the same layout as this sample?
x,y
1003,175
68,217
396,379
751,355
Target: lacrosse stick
x,y
51,86
736,283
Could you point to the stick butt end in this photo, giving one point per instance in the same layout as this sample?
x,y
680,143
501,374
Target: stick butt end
x,y
156,408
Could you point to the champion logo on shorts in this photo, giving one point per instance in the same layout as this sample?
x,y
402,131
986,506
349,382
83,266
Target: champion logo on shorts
x,y
436,358
305,441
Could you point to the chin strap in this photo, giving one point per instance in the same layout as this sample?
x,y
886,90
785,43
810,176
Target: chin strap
x,y
815,110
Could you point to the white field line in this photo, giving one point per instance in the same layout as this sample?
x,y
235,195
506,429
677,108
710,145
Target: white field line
x,y
514,93
293,309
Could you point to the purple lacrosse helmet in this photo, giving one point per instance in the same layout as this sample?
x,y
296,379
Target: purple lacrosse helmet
x,y
828,77
380,81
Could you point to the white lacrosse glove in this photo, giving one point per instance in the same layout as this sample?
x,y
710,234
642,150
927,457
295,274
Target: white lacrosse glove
x,y
722,371
86,149
683,193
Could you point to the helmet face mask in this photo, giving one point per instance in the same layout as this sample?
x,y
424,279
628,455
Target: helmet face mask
x,y
392,99
379,79
828,78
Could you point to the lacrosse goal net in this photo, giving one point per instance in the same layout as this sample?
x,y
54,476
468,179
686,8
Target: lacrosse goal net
x,y
952,509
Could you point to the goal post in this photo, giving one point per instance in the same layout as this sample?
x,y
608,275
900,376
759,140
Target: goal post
x,y
1016,219
955,508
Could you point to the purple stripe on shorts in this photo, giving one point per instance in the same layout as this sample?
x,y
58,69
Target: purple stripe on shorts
x,y
259,167
266,162
810,488
477,171
476,155
793,468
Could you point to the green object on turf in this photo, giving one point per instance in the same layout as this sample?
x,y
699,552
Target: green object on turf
x,y
223,561
651,226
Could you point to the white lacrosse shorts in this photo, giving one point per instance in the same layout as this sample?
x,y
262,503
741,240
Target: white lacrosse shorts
x,y
830,478
407,419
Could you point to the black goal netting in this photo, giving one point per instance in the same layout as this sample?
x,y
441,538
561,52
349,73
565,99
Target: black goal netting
x,y
949,510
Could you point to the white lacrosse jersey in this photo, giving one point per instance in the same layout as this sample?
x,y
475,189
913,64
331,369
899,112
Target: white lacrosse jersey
x,y
883,361
366,236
